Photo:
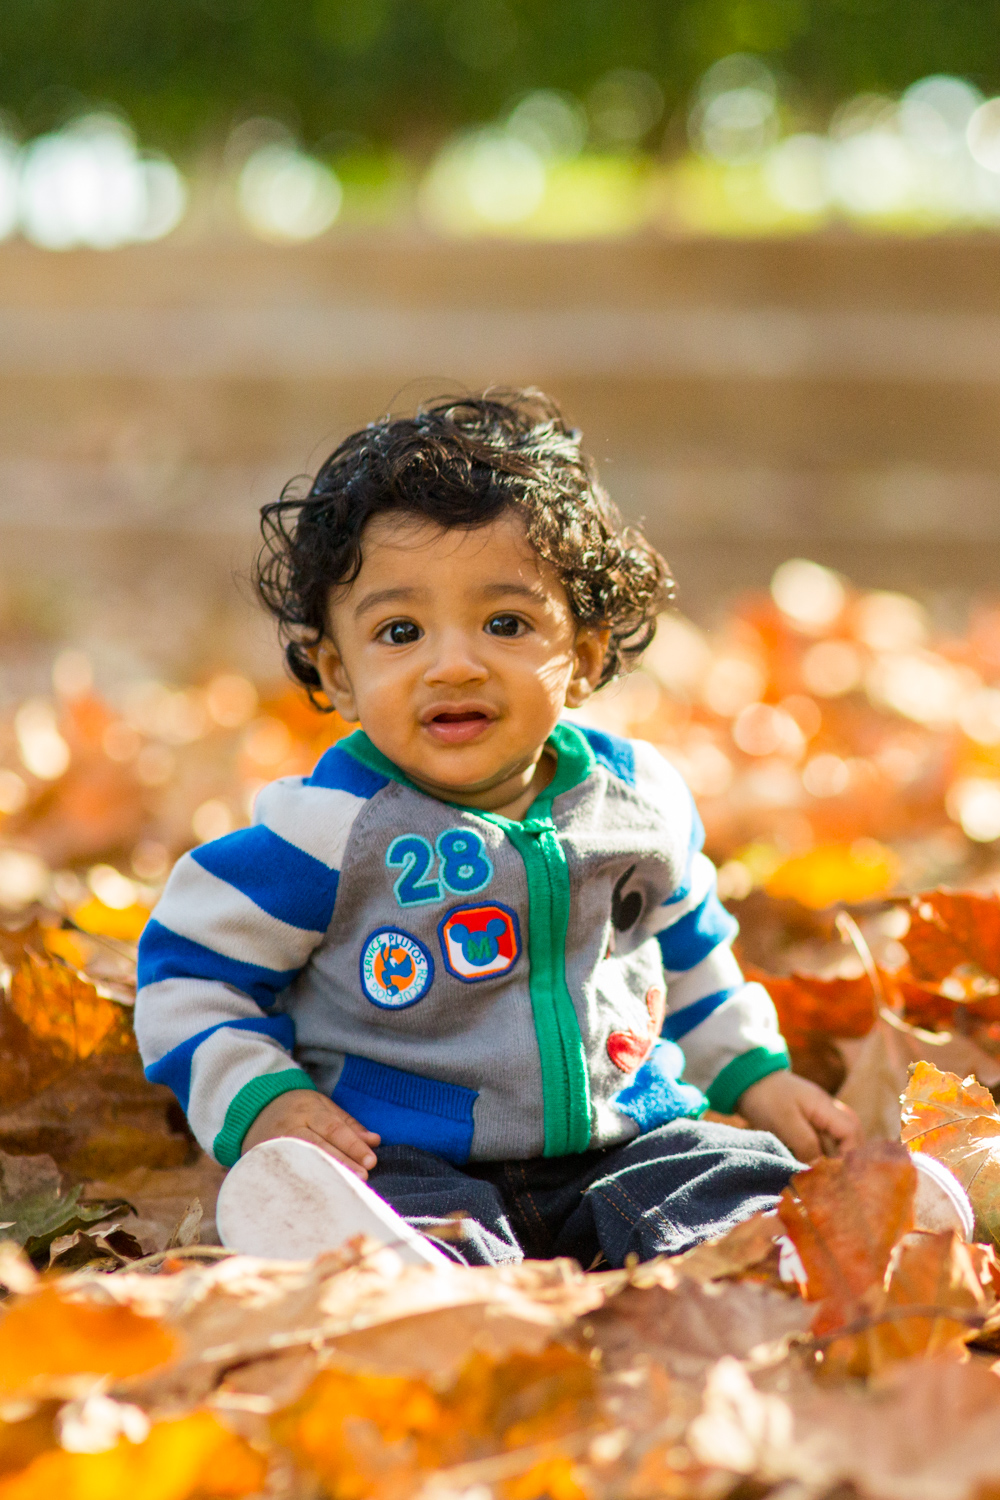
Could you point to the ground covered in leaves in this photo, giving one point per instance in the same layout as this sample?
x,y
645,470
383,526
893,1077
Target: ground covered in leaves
x,y
846,761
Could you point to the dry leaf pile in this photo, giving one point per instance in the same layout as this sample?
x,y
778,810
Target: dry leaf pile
x,y
825,1349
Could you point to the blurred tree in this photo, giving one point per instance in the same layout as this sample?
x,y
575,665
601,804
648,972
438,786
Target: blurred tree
x,y
403,71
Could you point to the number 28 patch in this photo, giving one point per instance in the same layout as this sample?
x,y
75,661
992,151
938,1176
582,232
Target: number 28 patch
x,y
479,942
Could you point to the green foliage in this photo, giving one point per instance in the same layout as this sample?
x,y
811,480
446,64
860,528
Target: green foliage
x,y
401,72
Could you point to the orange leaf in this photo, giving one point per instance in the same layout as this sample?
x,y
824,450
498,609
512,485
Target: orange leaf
x,y
365,1434
65,1011
45,1336
807,1004
952,928
957,1121
550,1479
192,1456
844,1217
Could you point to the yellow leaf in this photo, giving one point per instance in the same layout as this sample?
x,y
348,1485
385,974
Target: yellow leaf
x,y
193,1456
105,921
46,1335
836,872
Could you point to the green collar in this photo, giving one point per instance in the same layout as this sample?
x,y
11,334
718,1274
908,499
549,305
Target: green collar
x,y
574,763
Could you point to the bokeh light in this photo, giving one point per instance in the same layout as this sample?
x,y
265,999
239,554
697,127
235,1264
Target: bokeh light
x,y
284,194
88,185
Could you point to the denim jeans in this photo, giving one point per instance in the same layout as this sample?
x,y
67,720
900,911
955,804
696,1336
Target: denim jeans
x,y
660,1194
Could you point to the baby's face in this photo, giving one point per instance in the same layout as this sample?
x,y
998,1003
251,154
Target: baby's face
x,y
457,650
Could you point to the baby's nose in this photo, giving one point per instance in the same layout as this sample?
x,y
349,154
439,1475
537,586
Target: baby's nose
x,y
455,662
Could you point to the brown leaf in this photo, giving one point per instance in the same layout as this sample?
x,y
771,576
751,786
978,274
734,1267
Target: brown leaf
x,y
744,1246
844,1216
686,1330
926,1271
957,1121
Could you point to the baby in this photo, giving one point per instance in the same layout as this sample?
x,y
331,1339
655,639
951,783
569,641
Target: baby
x,y
477,956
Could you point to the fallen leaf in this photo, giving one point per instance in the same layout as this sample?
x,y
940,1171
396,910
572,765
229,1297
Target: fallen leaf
x,y
364,1435
956,1120
187,1231
36,1208
191,1456
688,1329
64,1010
926,1271
949,929
732,1254
836,872
47,1336
844,1216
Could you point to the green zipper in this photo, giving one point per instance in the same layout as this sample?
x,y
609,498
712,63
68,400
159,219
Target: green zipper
x,y
565,1078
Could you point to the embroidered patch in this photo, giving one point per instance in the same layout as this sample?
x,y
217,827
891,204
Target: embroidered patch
x,y
629,1049
480,941
396,969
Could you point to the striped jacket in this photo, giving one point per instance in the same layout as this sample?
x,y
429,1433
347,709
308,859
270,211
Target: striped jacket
x,y
483,988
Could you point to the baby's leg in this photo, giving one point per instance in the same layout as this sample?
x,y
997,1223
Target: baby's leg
x,y
674,1187
423,1188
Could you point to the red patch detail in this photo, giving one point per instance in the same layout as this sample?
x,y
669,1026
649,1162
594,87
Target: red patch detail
x,y
627,1049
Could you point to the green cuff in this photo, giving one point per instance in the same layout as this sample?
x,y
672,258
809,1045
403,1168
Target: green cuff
x,y
247,1105
737,1076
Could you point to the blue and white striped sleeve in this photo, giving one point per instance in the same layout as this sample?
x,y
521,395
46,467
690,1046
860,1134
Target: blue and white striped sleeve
x,y
726,1026
238,919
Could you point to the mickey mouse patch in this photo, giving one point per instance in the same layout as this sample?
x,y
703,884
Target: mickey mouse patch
x,y
396,969
479,942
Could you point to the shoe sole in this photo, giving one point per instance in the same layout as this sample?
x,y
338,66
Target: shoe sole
x,y
288,1200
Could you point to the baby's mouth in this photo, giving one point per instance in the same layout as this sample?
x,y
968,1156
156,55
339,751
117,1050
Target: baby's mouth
x,y
457,726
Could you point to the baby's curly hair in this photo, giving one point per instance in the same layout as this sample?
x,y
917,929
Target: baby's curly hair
x,y
462,461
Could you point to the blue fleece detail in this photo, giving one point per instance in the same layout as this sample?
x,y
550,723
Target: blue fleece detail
x,y
174,1067
338,771
164,954
656,1096
696,934
683,1021
275,875
407,1110
612,752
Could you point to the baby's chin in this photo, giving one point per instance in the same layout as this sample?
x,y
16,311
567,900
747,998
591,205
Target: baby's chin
x,y
463,769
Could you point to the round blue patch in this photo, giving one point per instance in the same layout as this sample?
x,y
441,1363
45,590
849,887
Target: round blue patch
x,y
396,968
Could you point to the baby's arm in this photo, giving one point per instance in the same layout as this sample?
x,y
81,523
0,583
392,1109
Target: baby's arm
x,y
237,921
728,1029
726,1026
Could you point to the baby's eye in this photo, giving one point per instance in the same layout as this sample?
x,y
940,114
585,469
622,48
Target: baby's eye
x,y
505,625
400,633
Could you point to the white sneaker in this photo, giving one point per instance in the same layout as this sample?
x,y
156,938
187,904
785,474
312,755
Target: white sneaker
x,y
941,1202
288,1200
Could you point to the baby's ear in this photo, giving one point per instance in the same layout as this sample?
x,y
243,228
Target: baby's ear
x,y
332,674
591,649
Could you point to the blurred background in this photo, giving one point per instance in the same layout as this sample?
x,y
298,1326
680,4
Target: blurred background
x,y
752,245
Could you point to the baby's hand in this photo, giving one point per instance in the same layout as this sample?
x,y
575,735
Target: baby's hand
x,y
801,1114
313,1117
